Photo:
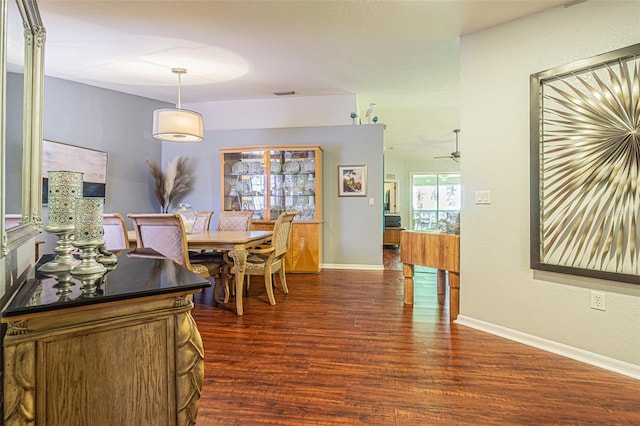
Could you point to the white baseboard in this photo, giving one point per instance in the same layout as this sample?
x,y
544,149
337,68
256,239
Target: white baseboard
x,y
610,364
351,266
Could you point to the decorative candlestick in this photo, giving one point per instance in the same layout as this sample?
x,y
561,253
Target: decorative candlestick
x,y
63,284
64,189
89,233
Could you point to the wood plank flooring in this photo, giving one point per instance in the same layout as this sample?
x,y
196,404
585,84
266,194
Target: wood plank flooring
x,y
342,349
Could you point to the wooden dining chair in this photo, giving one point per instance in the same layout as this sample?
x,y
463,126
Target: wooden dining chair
x,y
267,260
203,221
234,221
165,234
115,231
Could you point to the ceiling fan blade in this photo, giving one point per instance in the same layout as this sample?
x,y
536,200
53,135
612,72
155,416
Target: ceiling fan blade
x,y
455,156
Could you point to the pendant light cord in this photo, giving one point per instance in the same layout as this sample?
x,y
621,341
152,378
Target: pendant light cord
x,y
179,71
179,90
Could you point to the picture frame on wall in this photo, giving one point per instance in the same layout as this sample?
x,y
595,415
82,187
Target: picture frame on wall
x,y
352,181
584,179
90,162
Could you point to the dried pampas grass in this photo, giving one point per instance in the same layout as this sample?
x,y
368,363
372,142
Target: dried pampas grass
x,y
170,183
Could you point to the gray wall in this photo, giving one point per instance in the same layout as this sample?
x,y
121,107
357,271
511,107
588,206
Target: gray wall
x,y
352,228
110,121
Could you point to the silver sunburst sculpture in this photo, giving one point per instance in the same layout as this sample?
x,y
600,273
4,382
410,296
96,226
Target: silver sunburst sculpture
x,y
589,168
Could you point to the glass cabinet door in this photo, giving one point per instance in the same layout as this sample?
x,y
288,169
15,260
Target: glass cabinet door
x,y
293,183
244,182
274,180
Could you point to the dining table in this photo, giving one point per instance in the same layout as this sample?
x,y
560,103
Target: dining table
x,y
235,243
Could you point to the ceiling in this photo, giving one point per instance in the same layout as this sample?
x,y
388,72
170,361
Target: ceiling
x,y
402,55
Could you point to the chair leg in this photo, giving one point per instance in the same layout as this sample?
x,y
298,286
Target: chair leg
x,y
225,284
283,279
268,285
230,289
216,290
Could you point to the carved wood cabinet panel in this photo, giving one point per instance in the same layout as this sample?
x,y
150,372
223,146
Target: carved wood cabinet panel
x,y
117,363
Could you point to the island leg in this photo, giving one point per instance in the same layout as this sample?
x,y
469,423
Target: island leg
x,y
407,271
454,295
441,283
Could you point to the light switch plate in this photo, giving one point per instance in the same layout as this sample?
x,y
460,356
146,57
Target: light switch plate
x,y
483,197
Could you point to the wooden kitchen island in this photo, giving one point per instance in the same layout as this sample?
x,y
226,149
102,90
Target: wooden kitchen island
x,y
124,350
436,250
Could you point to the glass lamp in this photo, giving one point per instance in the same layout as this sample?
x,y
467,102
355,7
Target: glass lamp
x,y
188,214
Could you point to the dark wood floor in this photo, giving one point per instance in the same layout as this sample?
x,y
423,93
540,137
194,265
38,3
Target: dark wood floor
x,y
391,259
342,349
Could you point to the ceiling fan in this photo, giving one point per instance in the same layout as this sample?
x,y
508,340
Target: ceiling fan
x,y
455,155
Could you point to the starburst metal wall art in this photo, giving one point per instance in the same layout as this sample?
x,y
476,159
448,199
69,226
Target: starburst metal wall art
x,y
585,158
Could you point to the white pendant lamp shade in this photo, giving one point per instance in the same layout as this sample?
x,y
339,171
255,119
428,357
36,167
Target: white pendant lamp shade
x,y
177,124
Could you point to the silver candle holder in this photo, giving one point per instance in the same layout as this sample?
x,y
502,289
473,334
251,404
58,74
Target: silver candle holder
x,y
63,285
88,237
64,189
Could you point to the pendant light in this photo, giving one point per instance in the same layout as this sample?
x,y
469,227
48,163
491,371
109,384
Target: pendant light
x,y
178,125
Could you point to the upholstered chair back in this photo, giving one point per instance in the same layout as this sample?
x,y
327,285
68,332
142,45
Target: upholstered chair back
x,y
162,232
234,221
203,221
115,231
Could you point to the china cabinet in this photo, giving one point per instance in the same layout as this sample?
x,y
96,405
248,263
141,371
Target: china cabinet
x,y
269,180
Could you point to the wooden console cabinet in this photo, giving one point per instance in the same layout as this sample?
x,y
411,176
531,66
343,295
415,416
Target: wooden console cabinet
x,y
391,236
126,353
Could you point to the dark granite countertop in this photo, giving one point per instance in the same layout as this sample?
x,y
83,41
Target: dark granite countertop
x,y
138,273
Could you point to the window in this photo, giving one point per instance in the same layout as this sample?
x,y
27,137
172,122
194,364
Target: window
x,y
435,200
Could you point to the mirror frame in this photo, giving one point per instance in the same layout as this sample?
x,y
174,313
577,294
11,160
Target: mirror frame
x,y
33,105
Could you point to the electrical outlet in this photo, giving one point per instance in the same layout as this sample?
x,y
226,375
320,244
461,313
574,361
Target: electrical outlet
x,y
598,301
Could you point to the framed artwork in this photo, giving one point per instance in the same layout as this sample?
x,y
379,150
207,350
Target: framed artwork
x,y
585,180
352,181
92,163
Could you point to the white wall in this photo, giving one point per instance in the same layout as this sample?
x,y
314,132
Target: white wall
x,y
497,285
294,111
